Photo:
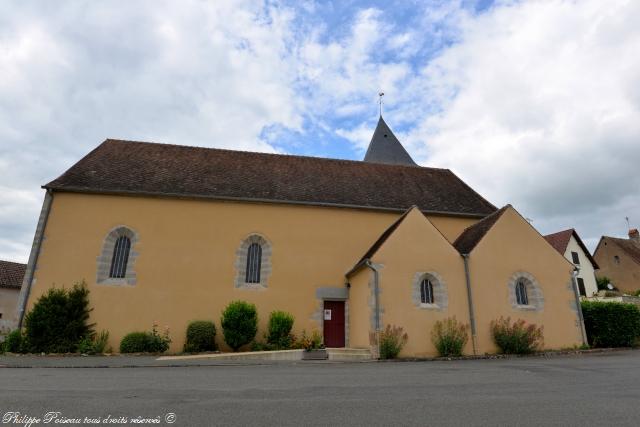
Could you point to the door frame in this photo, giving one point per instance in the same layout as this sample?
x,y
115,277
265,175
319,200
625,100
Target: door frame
x,y
346,318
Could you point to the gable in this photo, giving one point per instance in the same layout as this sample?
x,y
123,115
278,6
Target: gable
x,y
627,247
412,230
560,241
414,234
511,236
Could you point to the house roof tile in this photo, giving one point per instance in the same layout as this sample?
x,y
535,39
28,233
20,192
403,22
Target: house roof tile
x,y
11,274
560,241
128,167
472,235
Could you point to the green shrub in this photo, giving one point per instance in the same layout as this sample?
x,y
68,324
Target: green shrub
x,y
449,337
516,338
94,344
312,342
201,336
261,346
392,339
602,283
239,324
611,324
58,320
280,325
13,342
145,342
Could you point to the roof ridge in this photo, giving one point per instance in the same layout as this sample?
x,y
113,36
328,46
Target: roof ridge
x,y
300,156
491,219
12,262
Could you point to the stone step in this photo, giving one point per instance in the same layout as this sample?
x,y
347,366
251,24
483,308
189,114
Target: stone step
x,y
349,354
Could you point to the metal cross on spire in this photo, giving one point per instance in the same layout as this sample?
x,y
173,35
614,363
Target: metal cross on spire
x,y
380,95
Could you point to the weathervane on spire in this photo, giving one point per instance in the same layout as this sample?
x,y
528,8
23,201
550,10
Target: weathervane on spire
x,y
380,95
628,224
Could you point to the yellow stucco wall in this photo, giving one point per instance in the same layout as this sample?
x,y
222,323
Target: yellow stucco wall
x,y
360,297
511,246
417,246
187,254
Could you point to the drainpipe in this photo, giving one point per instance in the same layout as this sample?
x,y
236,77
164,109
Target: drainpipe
x,y
33,256
576,294
376,301
472,317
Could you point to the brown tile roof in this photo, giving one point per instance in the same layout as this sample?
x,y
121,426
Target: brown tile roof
x,y
472,235
631,248
11,274
560,241
127,167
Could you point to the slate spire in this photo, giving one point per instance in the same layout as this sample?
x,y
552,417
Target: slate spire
x,y
385,147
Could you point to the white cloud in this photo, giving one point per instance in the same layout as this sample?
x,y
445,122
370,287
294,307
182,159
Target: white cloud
x,y
197,73
540,109
534,103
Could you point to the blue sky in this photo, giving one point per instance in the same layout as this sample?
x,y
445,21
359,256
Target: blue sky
x,y
533,103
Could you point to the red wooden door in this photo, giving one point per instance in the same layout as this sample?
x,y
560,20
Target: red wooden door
x,y
334,323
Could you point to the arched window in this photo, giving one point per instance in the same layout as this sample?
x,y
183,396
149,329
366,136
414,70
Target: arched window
x,y
254,263
429,291
426,291
117,260
120,258
521,293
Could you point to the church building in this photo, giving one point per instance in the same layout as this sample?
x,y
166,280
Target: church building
x,y
170,234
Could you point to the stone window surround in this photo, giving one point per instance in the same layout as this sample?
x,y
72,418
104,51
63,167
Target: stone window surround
x,y
440,294
534,292
241,262
106,255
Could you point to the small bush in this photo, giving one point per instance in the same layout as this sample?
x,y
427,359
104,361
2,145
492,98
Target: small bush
x,y
262,346
516,338
611,324
95,344
312,342
239,324
58,320
449,337
201,336
280,325
602,283
13,342
145,342
392,339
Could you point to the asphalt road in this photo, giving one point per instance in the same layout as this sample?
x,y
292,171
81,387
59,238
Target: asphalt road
x,y
600,389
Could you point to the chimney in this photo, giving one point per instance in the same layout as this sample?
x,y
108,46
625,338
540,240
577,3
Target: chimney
x,y
634,235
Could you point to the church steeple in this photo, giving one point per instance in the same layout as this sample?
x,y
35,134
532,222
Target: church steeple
x,y
385,147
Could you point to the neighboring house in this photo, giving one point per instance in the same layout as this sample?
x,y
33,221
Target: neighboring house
x,y
619,260
11,275
170,234
569,244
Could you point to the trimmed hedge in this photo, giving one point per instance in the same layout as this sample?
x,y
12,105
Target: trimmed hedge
x,y
201,336
239,324
145,342
280,324
611,324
